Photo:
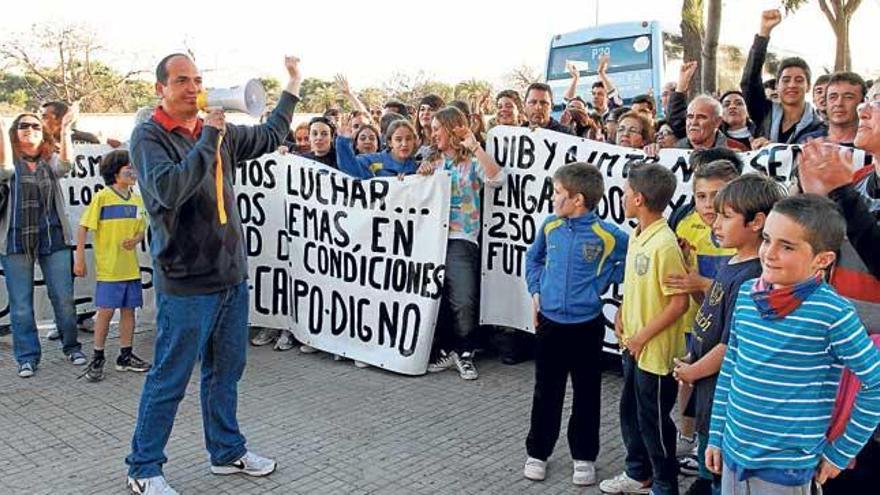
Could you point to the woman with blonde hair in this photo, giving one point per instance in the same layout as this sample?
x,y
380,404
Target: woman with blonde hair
x,y
456,151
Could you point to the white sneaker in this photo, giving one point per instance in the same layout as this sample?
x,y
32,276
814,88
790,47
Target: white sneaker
x,y
623,484
685,446
53,334
361,364
285,341
584,473
150,486
445,361
535,469
337,357
264,336
307,349
251,464
466,368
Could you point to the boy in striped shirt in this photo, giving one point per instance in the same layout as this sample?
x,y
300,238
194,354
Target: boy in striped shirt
x,y
791,336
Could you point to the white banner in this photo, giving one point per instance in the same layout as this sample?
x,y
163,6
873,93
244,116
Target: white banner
x,y
352,267
513,213
366,261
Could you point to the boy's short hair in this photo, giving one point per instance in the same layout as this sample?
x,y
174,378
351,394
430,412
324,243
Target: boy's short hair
x,y
584,179
700,158
749,195
795,62
655,182
718,169
820,218
387,119
111,163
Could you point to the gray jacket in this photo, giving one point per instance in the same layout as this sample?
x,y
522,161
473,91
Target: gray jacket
x,y
60,168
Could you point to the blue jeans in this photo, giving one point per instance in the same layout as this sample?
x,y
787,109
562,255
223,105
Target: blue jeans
x,y
212,327
19,272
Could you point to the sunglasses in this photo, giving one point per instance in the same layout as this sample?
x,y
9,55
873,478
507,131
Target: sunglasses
x,y
30,125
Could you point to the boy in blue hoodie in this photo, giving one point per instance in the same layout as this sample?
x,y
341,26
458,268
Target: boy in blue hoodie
x,y
574,258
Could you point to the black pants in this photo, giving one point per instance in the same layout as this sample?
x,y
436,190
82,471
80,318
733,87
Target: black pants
x,y
648,431
864,478
562,350
460,305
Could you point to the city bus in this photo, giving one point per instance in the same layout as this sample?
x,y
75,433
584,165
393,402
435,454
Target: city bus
x,y
635,67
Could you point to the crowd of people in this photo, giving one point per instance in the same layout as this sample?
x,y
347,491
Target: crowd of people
x,y
754,308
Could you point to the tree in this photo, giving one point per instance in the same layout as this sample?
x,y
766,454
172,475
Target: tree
x,y
709,57
839,14
521,76
61,63
692,37
273,90
317,95
372,97
472,90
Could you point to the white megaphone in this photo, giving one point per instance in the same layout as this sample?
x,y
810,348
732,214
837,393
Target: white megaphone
x,y
250,98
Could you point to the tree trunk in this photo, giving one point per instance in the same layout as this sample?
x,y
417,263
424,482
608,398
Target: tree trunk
x,y
692,37
710,46
842,60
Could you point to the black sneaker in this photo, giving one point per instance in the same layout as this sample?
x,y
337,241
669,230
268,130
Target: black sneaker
x,y
94,371
132,363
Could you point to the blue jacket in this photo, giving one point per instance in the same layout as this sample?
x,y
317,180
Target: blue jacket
x,y
571,264
369,165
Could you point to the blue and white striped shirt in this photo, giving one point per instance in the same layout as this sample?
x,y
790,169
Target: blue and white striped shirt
x,y
778,383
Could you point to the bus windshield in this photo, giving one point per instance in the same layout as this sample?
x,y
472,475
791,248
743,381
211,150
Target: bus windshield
x,y
630,53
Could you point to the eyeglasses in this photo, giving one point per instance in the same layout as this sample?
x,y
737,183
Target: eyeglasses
x,y
30,125
873,105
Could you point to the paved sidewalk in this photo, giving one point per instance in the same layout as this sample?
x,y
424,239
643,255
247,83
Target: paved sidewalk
x,y
333,428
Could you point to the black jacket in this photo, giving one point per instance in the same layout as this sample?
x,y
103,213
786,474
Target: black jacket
x,y
193,253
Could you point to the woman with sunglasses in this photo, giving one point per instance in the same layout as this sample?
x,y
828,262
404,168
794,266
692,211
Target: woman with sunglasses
x,y
34,228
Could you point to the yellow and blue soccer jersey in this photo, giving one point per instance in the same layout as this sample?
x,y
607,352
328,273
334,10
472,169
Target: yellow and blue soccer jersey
x,y
114,219
707,256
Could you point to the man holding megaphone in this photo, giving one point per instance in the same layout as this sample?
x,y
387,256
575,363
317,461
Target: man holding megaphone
x,y
185,166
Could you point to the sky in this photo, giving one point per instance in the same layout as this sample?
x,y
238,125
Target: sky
x,y
451,40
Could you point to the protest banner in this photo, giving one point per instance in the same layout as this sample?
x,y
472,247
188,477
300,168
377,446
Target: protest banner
x,y
366,263
513,213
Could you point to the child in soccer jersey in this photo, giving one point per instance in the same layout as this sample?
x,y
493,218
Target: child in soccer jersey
x,y
116,216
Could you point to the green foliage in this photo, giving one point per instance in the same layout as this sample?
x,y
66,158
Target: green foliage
x,y
61,63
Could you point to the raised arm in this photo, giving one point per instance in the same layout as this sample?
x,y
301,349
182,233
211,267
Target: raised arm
x,y
571,92
492,171
677,105
248,142
751,84
7,168
345,89
614,99
65,151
